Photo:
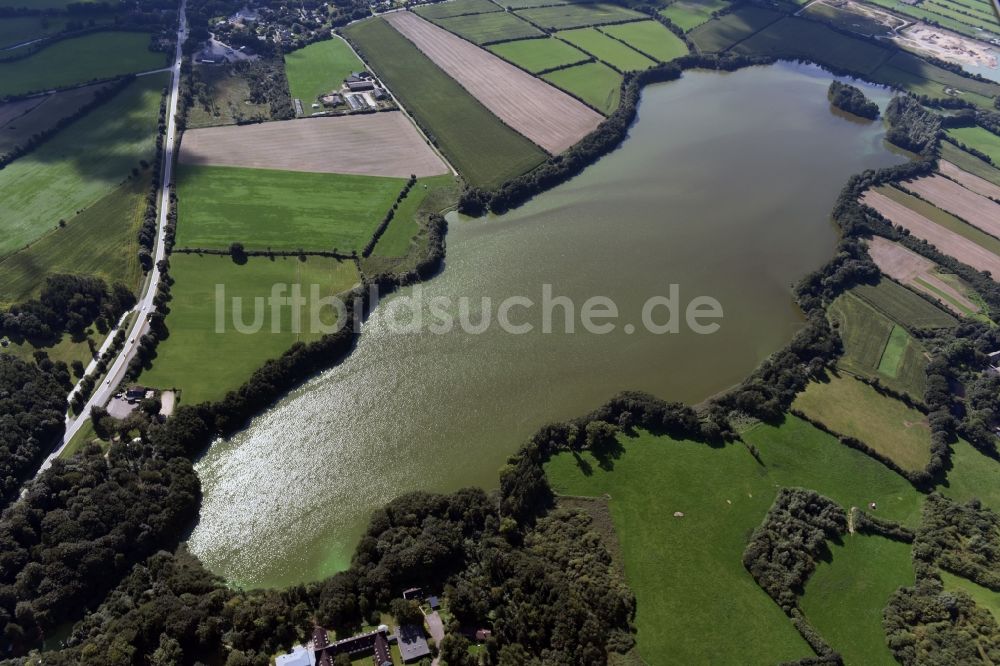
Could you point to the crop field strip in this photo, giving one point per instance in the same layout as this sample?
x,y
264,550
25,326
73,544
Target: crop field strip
x,y
545,115
371,144
539,55
969,181
903,306
514,5
484,150
689,14
594,82
565,17
457,8
606,49
490,28
319,68
964,204
650,38
722,33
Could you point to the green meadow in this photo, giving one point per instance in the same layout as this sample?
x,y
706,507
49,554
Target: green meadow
x,y
205,363
563,17
605,48
689,14
536,55
78,166
67,62
18,29
319,68
649,37
398,236
488,28
984,597
456,8
904,306
595,83
281,210
978,138
973,475
40,115
969,162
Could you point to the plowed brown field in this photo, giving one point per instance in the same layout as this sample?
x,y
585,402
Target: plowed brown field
x,y
909,268
968,180
948,195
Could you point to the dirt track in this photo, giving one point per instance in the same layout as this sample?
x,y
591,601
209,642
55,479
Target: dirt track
x,y
946,241
906,267
948,195
371,144
968,180
549,117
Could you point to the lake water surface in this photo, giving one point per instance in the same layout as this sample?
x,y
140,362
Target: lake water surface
x,y
724,188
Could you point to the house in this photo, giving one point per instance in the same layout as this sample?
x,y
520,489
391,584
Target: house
x,y
433,602
412,644
299,656
135,393
482,635
413,593
333,99
383,657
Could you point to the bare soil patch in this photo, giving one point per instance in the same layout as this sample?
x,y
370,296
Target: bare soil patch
x,y
944,240
948,195
549,117
969,181
947,45
909,268
374,144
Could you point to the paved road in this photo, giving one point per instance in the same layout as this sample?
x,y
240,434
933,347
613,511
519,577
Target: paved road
x,y
103,393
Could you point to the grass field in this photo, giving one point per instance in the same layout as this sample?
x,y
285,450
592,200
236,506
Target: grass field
x,y
894,352
800,38
484,150
968,162
488,28
910,72
594,82
319,68
943,218
18,29
79,165
398,236
844,598
722,33
536,55
984,597
563,17
456,8
688,14
44,115
851,407
605,48
903,306
522,4
973,475
978,138
99,55
282,210
101,241
649,37
194,350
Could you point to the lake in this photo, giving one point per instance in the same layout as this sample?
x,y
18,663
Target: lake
x,y
723,188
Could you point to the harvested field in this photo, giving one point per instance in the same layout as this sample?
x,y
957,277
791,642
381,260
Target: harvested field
x,y
969,181
948,195
920,273
550,118
371,144
969,163
944,240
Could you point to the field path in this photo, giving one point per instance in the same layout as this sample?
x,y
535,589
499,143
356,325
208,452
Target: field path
x,y
974,183
546,115
948,195
909,268
944,240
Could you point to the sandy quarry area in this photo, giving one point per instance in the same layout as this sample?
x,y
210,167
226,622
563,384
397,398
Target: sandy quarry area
x,y
370,144
909,268
946,45
946,241
968,180
948,195
546,115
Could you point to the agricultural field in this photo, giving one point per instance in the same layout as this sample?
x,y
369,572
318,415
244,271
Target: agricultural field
x,y
689,14
523,4
983,596
800,38
649,37
973,475
484,150
281,210
538,55
564,17
548,117
319,68
20,29
845,596
903,306
593,82
968,180
21,120
850,407
371,144
78,60
911,64
79,165
964,204
720,34
456,8
978,138
101,241
196,351
969,163
606,49
398,237
489,28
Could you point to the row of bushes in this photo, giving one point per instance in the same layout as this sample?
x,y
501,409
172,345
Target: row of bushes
x,y
389,215
147,231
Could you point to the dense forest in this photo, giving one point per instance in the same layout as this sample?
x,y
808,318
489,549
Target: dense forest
x,y
851,99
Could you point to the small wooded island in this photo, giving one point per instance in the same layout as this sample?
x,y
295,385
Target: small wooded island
x,y
849,98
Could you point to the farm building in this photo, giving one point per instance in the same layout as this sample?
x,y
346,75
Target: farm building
x,y
374,643
360,86
413,593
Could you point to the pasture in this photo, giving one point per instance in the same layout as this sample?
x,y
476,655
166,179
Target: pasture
x,y
593,82
489,28
523,4
196,350
281,210
606,49
21,120
970,163
564,17
852,18
398,237
903,306
78,60
973,475
721,33
976,137
456,8
537,55
850,407
79,165
100,241
689,14
845,596
484,150
649,37
319,68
